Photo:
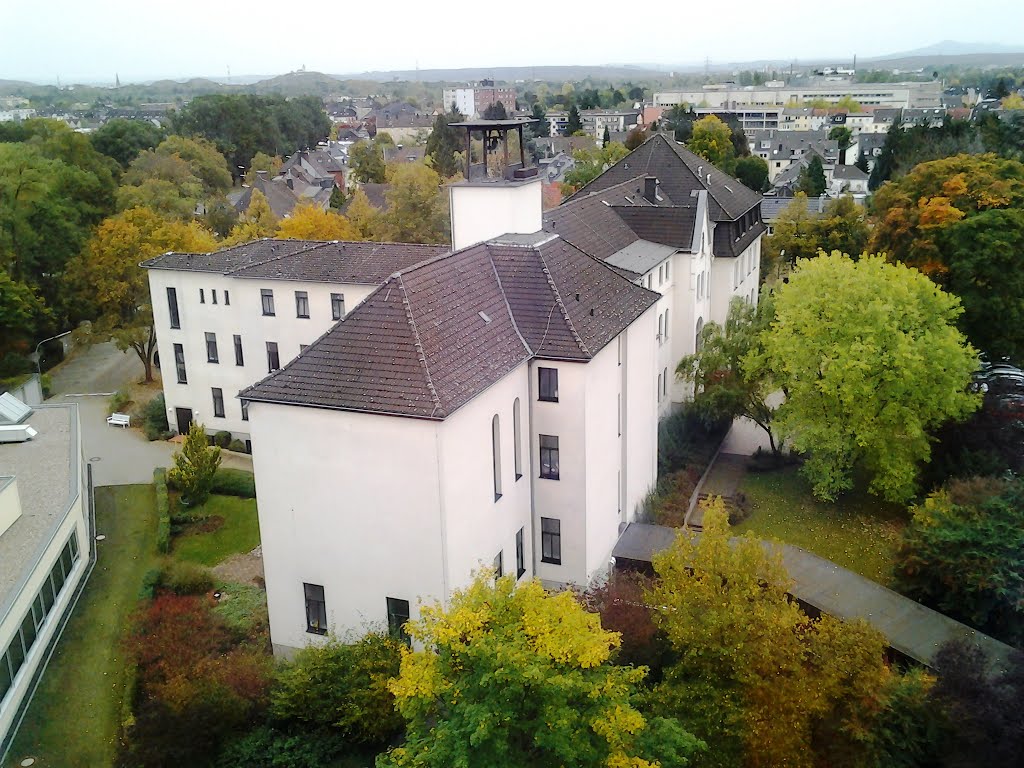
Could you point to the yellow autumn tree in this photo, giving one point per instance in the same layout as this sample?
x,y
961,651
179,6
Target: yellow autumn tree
x,y
109,271
755,676
309,222
712,140
364,218
511,676
257,221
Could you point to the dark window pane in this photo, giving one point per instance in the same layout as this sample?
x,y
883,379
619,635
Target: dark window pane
x,y
398,615
551,540
218,402
172,306
239,358
179,363
316,609
499,564
548,384
520,555
549,457
267,297
5,676
301,304
273,361
337,306
211,348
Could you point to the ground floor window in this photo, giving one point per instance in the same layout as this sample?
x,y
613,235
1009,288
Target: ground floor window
x,y
551,540
316,609
398,615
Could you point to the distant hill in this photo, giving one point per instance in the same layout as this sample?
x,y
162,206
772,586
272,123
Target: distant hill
x,y
511,74
952,48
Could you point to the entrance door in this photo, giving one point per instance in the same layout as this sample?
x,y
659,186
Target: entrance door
x,y
184,416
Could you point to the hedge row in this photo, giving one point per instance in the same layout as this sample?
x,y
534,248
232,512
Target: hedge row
x,y
163,510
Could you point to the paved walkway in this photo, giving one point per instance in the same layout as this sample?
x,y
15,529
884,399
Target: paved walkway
x,y
911,629
119,456
723,479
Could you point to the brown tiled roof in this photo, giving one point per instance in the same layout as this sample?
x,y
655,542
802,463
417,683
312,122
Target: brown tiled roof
x,y
434,336
679,173
668,225
365,263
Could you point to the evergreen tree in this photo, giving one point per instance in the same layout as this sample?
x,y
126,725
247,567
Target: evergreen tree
x,y
812,178
606,137
496,111
443,144
542,128
194,466
862,163
575,123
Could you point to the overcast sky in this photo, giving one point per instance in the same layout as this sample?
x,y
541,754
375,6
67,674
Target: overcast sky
x,y
91,40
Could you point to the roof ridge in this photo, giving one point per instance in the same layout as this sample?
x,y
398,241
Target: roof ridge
x,y
560,304
419,345
311,245
504,297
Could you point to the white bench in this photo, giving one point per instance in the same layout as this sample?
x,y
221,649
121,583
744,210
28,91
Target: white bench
x,y
119,420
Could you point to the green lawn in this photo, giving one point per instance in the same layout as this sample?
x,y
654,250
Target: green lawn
x,y
859,532
73,719
239,533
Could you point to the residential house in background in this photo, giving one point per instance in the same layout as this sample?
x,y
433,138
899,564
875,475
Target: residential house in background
x,y
848,180
45,543
472,100
781,149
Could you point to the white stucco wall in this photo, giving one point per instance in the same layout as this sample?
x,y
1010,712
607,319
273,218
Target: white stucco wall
x,y
737,276
10,503
482,210
243,316
349,501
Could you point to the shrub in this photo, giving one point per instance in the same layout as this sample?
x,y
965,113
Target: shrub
x,y
342,687
163,511
46,382
185,578
237,446
243,608
194,466
688,438
222,439
234,482
623,608
267,747
119,400
150,581
153,416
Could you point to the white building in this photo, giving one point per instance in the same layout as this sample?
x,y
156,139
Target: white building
x,y
912,94
224,320
496,406
44,544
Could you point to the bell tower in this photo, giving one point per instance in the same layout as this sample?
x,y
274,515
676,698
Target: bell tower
x,y
498,196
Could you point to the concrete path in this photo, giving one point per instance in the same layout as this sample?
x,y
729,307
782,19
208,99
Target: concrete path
x,y
723,479
119,456
98,368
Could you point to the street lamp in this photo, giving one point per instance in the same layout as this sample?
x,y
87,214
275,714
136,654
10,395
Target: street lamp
x,y
39,369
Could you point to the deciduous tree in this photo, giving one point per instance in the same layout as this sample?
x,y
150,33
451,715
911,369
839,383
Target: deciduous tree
x,y
261,161
634,138
753,172
588,164
124,139
364,218
511,676
194,466
723,387
417,210
712,140
309,222
963,554
367,162
870,360
755,677
109,271
257,221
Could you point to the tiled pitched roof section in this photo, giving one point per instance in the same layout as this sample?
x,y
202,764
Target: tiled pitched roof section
x,y
590,224
679,173
607,302
229,259
364,263
668,225
435,336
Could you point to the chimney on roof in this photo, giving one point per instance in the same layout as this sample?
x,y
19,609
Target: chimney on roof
x,y
290,182
651,189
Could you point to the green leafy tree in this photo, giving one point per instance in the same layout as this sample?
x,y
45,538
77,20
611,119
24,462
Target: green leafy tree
x,y
21,311
367,162
574,123
542,128
794,236
712,140
511,676
983,258
443,144
910,214
869,358
753,172
243,124
417,210
258,221
842,227
844,136
108,272
206,163
679,120
261,161
722,388
123,139
161,182
812,178
495,111
588,164
194,466
363,216
634,138
963,554
755,677
342,688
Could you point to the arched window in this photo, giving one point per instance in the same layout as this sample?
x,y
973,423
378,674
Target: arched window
x,y
700,327
496,453
517,430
